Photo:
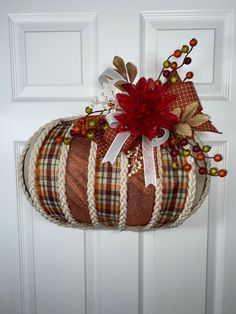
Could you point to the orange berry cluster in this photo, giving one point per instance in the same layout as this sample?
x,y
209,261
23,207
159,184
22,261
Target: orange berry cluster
x,y
177,146
169,66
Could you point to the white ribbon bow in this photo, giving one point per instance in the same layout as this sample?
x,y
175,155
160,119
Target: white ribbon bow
x,y
147,146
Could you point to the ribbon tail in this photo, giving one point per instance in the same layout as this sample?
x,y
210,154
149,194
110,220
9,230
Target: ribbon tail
x,y
148,163
116,147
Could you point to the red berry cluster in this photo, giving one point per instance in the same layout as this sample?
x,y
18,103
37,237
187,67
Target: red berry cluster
x,y
169,65
177,146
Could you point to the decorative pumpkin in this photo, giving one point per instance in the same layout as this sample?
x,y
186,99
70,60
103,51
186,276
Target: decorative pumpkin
x,y
137,164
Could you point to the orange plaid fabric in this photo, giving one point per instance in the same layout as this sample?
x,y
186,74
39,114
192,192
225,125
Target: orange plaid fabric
x,y
175,188
47,169
107,192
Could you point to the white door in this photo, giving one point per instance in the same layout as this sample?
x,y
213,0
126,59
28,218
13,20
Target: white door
x,y
49,66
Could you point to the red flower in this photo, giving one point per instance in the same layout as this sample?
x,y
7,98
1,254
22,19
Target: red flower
x,y
146,109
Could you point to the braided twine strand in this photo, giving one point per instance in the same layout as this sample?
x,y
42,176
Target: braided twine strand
x,y
123,191
62,184
21,165
158,195
90,185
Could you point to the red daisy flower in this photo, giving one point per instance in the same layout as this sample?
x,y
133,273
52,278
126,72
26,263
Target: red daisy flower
x,y
146,109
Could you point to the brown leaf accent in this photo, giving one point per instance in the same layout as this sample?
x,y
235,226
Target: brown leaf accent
x,y
132,71
120,66
119,84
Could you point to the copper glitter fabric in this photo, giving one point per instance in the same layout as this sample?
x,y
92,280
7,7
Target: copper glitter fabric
x,y
76,179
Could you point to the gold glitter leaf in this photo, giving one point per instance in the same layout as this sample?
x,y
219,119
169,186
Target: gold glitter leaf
x,y
189,111
177,111
183,129
198,119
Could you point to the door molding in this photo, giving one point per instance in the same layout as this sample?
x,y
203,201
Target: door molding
x,y
59,36
26,243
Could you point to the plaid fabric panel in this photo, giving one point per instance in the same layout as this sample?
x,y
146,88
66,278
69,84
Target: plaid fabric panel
x,y
107,192
186,94
174,193
47,171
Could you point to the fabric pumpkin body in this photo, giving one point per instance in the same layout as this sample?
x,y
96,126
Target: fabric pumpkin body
x,y
69,184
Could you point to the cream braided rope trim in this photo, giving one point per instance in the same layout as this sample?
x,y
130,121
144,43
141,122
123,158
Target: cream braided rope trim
x,y
204,195
123,190
90,185
191,192
21,166
62,184
158,195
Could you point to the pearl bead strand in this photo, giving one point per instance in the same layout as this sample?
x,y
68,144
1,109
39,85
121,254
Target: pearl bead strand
x,y
134,160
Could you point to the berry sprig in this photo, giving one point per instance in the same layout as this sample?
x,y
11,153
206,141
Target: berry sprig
x,y
88,126
177,146
83,128
96,127
173,65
